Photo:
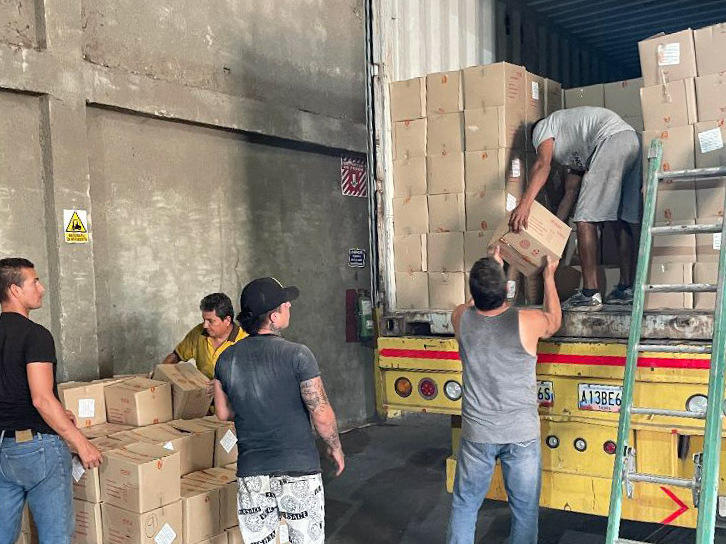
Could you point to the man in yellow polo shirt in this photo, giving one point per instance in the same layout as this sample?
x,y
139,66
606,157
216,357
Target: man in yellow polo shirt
x,y
205,342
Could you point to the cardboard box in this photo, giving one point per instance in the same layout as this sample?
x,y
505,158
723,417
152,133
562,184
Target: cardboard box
x,y
444,93
139,402
446,290
623,97
200,510
140,477
553,96
225,441
667,57
88,525
527,249
409,177
676,201
711,97
710,44
669,273
674,248
494,127
88,485
445,252
677,148
409,139
592,95
705,273
409,253
408,99
710,197
85,400
490,169
445,173
411,215
708,245
446,213
500,84
475,246
445,133
669,105
104,429
195,451
412,290
162,524
535,91
709,138
226,480
189,395
485,209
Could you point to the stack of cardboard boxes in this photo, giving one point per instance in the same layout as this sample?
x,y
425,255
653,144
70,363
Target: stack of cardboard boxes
x,y
162,479
459,165
684,104
622,97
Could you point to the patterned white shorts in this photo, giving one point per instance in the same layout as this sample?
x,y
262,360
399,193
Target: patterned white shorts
x,y
262,501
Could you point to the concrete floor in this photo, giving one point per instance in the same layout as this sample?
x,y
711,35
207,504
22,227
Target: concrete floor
x,y
393,491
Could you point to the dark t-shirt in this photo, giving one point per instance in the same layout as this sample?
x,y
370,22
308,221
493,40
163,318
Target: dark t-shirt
x,y
22,342
261,376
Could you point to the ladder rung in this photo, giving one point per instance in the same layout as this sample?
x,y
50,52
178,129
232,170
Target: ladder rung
x,y
669,413
666,348
693,174
687,229
681,288
663,480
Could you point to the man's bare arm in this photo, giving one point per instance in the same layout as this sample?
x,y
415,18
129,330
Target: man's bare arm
x,y
551,306
171,359
316,400
572,189
537,178
222,407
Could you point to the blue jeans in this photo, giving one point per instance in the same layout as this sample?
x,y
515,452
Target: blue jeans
x,y
39,471
522,471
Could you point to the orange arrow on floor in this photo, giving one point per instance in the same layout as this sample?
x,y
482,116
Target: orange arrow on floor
x,y
681,506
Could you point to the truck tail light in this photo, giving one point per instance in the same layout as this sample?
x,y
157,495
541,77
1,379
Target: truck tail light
x,y
427,388
609,447
552,441
452,390
403,387
580,444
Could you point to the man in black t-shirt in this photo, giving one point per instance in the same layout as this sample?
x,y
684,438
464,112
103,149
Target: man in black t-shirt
x,y
272,388
36,462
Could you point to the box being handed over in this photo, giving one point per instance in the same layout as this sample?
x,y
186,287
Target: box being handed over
x,y
527,249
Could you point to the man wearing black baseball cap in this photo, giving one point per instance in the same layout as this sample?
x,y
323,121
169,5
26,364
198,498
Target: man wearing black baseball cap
x,y
271,387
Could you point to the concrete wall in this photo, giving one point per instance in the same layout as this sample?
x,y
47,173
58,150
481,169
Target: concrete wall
x,y
205,141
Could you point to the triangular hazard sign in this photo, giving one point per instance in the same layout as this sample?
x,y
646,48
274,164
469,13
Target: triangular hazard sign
x,y
75,224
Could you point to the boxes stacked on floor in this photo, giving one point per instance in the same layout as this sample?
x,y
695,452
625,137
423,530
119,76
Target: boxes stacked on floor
x,y
459,165
156,470
684,104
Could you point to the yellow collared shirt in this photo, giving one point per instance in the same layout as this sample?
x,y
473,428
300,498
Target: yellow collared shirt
x,y
198,346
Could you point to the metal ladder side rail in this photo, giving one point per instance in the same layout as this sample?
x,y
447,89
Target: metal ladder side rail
x,y
655,157
706,521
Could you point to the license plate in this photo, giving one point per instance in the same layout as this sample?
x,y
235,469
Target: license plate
x,y
599,398
545,393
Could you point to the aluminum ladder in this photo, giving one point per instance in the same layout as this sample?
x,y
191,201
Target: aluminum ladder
x,y
705,481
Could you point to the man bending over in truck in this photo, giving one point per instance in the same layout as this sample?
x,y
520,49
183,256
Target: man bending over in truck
x,y
602,153
498,350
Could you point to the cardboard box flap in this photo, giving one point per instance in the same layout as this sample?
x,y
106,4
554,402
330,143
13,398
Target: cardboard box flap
x,y
138,384
217,475
185,376
108,443
191,487
141,452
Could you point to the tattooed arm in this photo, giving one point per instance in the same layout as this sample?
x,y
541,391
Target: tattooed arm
x,y
316,400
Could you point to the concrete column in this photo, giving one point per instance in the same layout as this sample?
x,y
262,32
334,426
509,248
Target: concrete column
x,y
72,288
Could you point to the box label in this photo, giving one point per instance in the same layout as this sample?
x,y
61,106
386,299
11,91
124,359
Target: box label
x,y
710,140
228,441
517,169
169,446
669,54
511,202
535,90
86,408
511,288
717,241
166,535
77,469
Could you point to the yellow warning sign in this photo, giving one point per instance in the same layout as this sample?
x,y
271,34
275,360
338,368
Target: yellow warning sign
x,y
75,222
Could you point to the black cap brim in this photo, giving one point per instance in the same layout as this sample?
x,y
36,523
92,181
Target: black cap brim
x,y
291,293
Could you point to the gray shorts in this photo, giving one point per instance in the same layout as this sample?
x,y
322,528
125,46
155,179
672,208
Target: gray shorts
x,y
610,189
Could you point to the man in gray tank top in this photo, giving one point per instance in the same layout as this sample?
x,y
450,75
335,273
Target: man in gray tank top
x,y
498,350
602,154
